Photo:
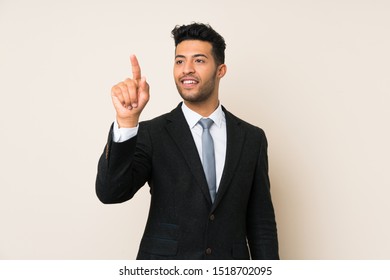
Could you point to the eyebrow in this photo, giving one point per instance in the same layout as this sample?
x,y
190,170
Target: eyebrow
x,y
195,55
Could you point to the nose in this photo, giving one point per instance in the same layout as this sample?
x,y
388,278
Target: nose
x,y
188,68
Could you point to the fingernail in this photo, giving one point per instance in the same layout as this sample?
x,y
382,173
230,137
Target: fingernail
x,y
129,107
134,105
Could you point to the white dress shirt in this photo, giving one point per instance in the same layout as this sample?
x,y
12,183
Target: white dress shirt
x,y
217,131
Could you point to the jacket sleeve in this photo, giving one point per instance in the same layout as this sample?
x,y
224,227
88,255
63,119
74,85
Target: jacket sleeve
x,y
123,168
261,224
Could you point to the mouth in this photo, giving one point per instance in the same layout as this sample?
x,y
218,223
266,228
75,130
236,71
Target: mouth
x,y
189,82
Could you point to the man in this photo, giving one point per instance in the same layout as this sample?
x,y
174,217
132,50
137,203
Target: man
x,y
210,191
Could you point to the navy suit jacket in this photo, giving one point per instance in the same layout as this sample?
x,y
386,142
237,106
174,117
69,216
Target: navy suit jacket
x,y
183,223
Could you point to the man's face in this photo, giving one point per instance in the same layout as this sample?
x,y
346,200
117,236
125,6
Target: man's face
x,y
195,71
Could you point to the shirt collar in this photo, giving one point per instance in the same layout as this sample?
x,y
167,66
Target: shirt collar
x,y
192,117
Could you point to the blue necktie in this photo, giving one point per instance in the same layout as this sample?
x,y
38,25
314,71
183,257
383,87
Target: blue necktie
x,y
208,156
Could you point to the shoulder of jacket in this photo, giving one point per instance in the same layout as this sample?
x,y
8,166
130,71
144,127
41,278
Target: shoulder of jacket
x,y
244,124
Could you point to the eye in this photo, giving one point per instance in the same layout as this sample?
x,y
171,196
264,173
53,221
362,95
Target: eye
x,y
178,62
198,60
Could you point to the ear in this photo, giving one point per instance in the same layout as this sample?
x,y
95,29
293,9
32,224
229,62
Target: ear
x,y
221,70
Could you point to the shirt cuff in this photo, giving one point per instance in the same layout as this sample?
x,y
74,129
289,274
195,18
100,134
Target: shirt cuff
x,y
123,134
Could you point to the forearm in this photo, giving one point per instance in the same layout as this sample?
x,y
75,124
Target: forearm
x,y
263,240
119,174
261,227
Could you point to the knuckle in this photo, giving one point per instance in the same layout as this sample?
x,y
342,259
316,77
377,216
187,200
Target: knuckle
x,y
115,89
123,87
133,87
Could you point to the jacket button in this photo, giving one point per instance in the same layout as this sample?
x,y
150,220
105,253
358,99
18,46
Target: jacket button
x,y
212,217
208,251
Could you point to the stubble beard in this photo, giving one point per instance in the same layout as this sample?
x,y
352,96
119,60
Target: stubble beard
x,y
203,94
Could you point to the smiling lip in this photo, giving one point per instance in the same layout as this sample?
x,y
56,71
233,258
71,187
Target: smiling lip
x,y
189,82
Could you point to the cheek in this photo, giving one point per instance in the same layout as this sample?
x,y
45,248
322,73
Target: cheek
x,y
209,75
176,72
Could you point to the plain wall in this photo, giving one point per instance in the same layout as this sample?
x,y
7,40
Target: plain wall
x,y
315,75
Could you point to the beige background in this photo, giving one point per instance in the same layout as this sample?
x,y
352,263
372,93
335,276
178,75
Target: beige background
x,y
315,75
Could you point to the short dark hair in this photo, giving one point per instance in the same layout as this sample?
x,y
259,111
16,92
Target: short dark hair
x,y
203,32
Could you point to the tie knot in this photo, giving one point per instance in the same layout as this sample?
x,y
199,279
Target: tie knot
x,y
206,123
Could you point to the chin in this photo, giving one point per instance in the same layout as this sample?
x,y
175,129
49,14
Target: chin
x,y
193,95
194,98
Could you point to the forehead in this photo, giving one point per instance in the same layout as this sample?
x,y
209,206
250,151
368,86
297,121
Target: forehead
x,y
190,47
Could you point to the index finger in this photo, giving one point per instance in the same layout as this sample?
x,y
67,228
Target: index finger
x,y
135,67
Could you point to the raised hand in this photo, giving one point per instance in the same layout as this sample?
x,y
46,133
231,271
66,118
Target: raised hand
x,y
130,96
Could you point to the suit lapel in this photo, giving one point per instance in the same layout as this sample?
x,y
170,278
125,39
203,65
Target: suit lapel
x,y
234,144
178,128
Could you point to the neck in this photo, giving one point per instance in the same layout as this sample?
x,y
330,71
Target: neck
x,y
204,109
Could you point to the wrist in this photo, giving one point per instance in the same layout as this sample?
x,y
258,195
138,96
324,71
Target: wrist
x,y
127,123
